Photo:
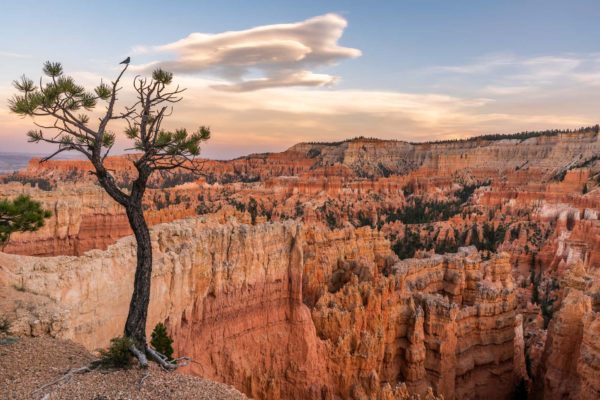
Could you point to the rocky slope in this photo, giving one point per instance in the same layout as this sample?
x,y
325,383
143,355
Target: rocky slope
x,y
213,283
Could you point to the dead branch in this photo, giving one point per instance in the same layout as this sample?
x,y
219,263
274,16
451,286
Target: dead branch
x,y
65,377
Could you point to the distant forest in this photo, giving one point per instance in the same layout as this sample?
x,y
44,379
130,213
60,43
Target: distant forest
x,y
493,136
520,135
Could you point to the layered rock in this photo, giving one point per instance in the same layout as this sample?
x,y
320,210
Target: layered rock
x,y
328,310
232,297
237,312
445,322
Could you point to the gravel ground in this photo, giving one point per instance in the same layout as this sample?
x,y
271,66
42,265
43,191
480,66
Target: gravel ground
x,y
26,364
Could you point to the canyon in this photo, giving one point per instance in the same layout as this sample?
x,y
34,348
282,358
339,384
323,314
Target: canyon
x,y
364,269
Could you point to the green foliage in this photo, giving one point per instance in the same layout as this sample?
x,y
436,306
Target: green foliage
x,y
117,355
60,98
103,91
162,76
173,143
522,135
408,245
331,219
20,215
61,91
5,324
299,209
202,208
514,232
161,341
52,69
446,246
328,211
40,183
364,219
253,209
419,211
492,237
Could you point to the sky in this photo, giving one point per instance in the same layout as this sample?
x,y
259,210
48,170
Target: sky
x,y
265,75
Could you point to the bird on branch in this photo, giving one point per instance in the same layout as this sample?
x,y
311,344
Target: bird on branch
x,y
126,61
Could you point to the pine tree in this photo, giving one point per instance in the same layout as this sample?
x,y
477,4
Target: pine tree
x,y
64,110
161,341
20,215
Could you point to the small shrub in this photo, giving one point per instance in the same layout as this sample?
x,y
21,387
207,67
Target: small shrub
x,y
5,324
117,355
161,341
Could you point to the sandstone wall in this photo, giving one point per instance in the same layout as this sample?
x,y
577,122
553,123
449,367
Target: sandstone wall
x,y
445,322
232,297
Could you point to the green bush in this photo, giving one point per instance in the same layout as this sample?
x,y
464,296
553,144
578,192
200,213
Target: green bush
x,y
161,341
117,355
5,324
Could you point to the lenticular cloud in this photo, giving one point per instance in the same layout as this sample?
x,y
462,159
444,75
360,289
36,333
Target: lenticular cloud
x,y
262,57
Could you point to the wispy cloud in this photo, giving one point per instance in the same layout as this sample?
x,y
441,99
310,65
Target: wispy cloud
x,y
539,68
281,55
507,90
506,75
8,54
481,65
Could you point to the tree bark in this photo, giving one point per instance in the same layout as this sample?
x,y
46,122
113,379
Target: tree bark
x,y
135,327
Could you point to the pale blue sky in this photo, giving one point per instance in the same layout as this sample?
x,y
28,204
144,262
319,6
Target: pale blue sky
x,y
438,68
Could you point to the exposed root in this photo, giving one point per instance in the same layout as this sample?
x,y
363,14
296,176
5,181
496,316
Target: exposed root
x,y
141,382
164,362
65,377
161,359
139,355
182,361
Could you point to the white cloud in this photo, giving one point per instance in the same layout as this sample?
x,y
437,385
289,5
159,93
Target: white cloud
x,y
481,65
525,70
282,54
507,90
8,54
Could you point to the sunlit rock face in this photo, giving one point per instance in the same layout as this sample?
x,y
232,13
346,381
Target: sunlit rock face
x,y
356,181
232,297
286,278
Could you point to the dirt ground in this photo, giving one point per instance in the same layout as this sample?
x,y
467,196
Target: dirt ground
x,y
27,364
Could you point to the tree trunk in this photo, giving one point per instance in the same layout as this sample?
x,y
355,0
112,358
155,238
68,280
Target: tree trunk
x,y
135,327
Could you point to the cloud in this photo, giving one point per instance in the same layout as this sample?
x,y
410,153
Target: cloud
x,y
8,54
507,90
480,65
539,68
510,76
589,78
281,55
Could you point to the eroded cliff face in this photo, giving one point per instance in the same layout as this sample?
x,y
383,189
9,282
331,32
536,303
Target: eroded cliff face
x,y
571,355
230,294
444,321
305,296
232,297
